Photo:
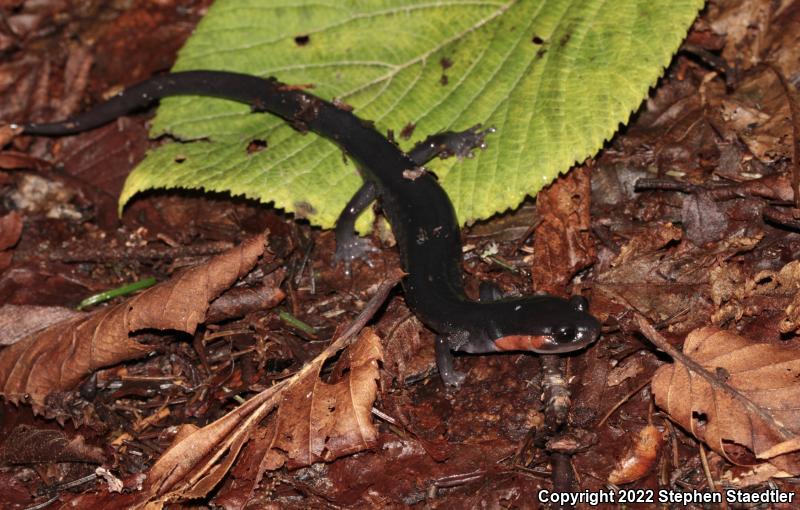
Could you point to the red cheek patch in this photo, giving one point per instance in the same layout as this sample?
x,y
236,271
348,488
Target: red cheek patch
x,y
523,343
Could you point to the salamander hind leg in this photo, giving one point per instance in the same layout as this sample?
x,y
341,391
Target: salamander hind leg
x,y
349,246
444,360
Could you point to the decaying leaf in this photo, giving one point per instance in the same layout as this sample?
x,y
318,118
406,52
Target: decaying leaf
x,y
757,113
788,280
738,396
639,459
736,295
563,244
315,421
408,347
628,369
57,358
662,278
655,239
29,445
10,230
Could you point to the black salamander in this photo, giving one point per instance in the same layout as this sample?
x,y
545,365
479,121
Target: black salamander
x,y
418,209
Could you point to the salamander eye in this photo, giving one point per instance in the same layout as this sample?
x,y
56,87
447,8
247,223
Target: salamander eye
x,y
579,303
565,334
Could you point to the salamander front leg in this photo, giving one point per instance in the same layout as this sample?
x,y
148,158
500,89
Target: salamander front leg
x,y
450,143
349,246
489,291
444,360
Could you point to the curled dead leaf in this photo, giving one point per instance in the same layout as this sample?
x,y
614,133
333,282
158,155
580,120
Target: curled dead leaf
x,y
57,358
639,459
738,396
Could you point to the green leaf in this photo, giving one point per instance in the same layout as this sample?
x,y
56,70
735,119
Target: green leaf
x,y
555,78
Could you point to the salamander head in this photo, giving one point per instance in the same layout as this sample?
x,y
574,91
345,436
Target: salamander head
x,y
544,324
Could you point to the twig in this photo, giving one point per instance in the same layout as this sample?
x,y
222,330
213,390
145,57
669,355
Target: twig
x,y
706,469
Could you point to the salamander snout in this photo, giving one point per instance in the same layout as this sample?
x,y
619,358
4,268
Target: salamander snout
x,y
549,325
579,334
582,330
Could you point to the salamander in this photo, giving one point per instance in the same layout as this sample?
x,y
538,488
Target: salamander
x,y
421,215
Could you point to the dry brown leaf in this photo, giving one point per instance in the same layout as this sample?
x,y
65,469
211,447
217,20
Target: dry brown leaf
x,y
20,321
315,421
563,244
239,301
756,111
325,421
737,396
728,289
8,133
57,358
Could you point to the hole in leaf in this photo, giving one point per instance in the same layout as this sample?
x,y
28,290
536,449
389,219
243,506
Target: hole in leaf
x,y
700,420
256,145
302,40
